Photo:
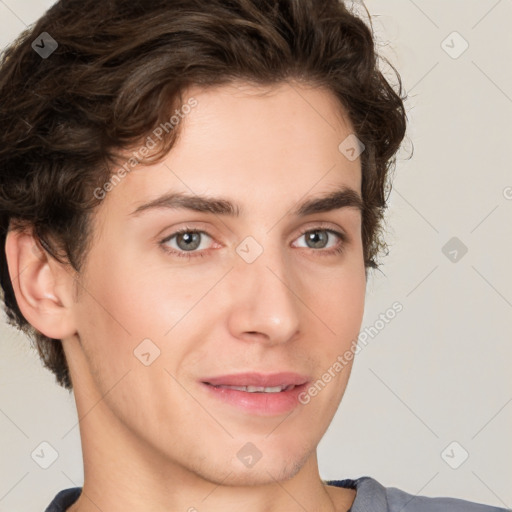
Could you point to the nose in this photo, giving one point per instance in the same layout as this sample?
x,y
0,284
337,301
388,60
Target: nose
x,y
264,304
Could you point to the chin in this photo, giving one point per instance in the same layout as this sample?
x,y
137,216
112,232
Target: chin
x,y
274,465
261,474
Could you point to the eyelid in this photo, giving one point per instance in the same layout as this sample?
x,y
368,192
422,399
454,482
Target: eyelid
x,y
328,226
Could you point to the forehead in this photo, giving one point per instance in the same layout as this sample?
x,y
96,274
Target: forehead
x,y
261,145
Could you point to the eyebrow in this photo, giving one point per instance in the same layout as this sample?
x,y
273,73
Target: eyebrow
x,y
342,198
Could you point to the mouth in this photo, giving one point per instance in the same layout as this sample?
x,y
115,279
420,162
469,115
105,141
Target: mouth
x,y
259,394
257,389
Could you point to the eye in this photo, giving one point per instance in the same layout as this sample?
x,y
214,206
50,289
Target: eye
x,y
317,238
189,240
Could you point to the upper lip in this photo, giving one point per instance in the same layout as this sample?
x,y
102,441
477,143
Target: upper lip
x,y
258,379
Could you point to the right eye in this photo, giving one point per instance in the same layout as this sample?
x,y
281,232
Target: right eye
x,y
188,241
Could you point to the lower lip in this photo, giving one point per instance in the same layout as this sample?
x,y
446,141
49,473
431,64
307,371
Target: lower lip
x,y
263,404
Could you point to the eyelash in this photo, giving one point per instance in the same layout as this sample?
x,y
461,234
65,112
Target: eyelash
x,y
200,254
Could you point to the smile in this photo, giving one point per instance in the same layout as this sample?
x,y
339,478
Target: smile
x,y
258,389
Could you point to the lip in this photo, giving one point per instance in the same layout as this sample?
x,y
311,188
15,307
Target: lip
x,y
258,403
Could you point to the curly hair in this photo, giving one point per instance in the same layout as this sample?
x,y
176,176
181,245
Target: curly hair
x,y
119,67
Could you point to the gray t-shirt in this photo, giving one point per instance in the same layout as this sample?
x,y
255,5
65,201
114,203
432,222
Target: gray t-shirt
x,y
370,497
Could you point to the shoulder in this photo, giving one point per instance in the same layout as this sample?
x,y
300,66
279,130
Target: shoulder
x,y
371,495
64,499
406,502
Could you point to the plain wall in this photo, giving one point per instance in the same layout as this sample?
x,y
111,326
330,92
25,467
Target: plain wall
x,y
439,371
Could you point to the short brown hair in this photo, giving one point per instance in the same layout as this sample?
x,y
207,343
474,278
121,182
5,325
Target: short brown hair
x,y
121,66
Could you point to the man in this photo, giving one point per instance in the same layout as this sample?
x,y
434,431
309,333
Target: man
x,y
191,201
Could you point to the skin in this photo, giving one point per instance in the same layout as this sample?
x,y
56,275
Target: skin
x,y
152,439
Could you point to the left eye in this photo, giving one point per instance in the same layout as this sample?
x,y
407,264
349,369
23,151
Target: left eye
x,y
319,242
188,241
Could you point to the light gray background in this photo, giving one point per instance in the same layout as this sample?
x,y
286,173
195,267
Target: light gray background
x,y
439,372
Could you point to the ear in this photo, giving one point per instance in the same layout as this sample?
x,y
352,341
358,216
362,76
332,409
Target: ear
x,y
43,287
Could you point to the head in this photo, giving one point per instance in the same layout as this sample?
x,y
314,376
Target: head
x,y
250,102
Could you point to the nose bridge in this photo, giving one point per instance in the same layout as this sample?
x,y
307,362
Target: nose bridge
x,y
263,300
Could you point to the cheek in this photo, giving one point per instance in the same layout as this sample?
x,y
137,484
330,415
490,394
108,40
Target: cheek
x,y
123,294
129,301
338,298
113,315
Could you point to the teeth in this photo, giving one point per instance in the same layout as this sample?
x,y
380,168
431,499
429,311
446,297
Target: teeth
x,y
259,389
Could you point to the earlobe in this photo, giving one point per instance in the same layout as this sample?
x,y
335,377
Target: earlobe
x,y
43,288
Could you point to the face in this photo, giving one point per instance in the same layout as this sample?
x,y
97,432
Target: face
x,y
263,298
